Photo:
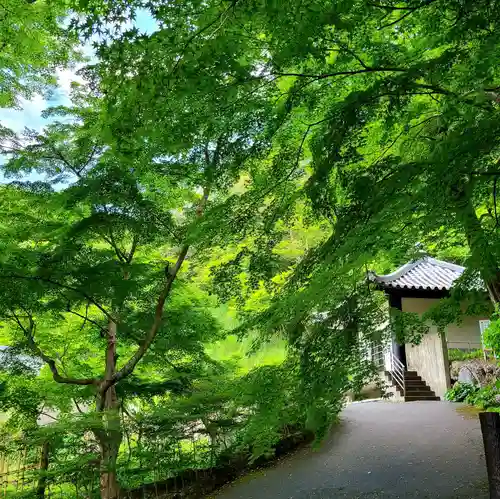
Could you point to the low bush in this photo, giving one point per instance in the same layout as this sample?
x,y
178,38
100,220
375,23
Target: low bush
x,y
457,354
483,398
460,392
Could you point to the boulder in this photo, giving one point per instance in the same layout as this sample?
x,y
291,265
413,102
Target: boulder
x,y
475,371
466,375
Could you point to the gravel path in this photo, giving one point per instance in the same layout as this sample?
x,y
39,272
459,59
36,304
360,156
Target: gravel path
x,y
381,450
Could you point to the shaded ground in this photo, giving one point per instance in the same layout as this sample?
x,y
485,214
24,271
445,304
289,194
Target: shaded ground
x,y
381,450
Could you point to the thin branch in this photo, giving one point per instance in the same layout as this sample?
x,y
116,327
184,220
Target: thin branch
x,y
411,10
342,73
77,406
29,334
48,415
397,20
299,151
130,255
495,202
86,316
86,319
61,157
158,317
389,7
55,283
117,251
90,158
400,134
198,33
348,50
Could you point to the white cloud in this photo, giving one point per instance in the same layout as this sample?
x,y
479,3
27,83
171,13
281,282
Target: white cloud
x,y
29,115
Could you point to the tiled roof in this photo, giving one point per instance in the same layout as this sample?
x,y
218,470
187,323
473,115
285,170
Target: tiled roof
x,y
426,273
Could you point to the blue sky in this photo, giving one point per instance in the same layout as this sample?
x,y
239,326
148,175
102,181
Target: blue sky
x,y
30,114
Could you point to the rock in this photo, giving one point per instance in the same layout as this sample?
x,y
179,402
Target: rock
x,y
465,376
455,367
476,371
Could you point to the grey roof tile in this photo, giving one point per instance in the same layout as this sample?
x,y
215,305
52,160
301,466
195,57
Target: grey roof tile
x,y
425,273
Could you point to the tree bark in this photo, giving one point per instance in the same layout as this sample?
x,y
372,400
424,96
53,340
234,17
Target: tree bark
x,y
108,480
110,436
482,254
44,466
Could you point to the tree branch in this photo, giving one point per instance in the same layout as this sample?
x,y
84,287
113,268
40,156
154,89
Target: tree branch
x,y
158,317
342,73
397,20
495,201
400,134
90,158
48,416
198,33
389,7
86,319
59,284
29,334
77,406
410,10
130,255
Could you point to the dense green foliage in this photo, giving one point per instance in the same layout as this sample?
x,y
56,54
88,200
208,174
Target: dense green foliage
x,y
456,354
33,44
486,397
461,392
232,174
491,336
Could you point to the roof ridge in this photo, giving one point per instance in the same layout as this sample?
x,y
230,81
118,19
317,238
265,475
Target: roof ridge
x,y
425,272
404,269
446,265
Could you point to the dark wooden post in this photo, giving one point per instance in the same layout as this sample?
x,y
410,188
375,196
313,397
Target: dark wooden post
x,y
490,427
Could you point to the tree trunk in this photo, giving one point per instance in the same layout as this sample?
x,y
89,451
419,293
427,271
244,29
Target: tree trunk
x,y
44,466
110,436
108,482
482,254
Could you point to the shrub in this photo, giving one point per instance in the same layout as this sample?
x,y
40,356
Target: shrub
x,y
482,398
460,392
457,354
491,335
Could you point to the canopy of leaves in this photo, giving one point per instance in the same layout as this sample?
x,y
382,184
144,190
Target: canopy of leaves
x,y
263,155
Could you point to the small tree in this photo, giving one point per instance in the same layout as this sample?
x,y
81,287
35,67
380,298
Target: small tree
x,y
107,250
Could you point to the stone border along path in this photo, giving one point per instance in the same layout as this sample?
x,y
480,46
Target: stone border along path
x,y
381,450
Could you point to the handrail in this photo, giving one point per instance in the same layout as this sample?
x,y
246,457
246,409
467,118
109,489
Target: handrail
x,y
391,364
398,371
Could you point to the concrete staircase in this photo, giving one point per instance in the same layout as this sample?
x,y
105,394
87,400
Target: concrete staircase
x,y
415,387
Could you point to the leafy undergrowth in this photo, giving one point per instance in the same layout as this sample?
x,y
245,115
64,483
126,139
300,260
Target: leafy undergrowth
x,y
457,354
485,398
195,483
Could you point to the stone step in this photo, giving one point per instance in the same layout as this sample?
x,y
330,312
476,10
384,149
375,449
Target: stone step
x,y
412,398
420,384
417,388
413,378
420,393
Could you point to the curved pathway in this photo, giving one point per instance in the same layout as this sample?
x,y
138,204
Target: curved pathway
x,y
381,450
